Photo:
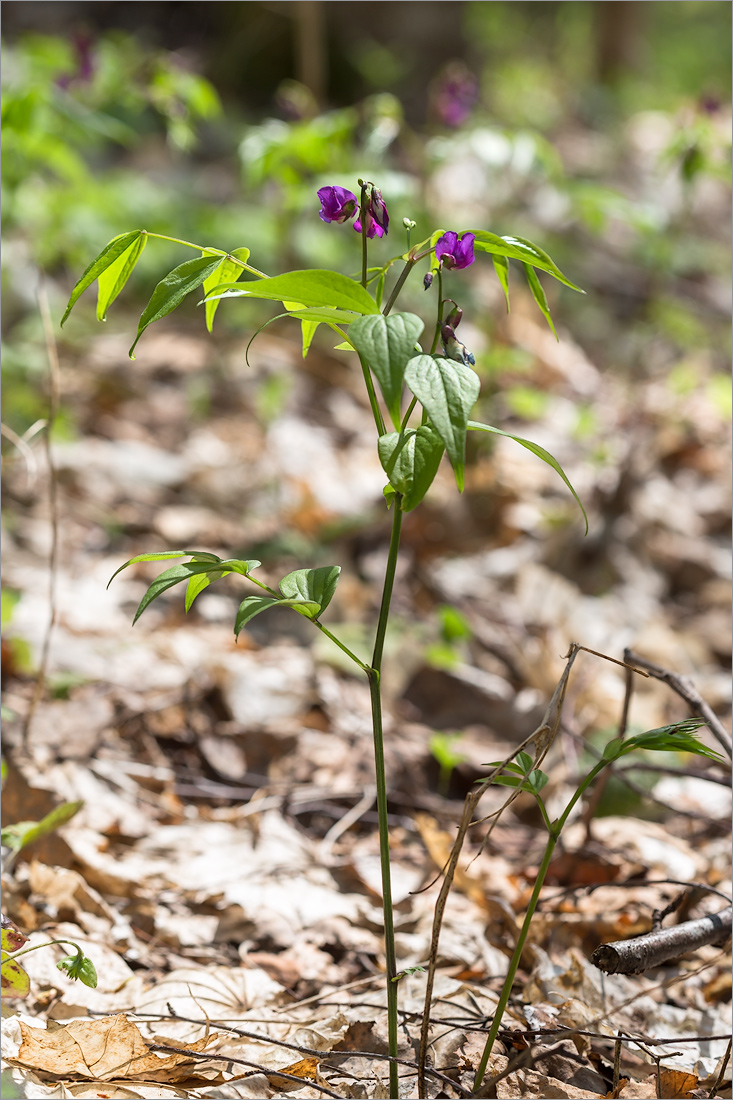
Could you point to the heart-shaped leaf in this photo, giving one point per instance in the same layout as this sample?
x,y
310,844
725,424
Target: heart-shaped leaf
x,y
448,391
385,344
312,585
410,460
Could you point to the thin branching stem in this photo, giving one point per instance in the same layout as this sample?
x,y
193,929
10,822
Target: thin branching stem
x,y
375,691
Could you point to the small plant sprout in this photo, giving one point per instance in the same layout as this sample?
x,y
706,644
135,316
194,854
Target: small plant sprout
x,y
522,775
421,403
14,978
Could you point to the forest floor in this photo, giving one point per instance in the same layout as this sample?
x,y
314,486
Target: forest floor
x,y
223,872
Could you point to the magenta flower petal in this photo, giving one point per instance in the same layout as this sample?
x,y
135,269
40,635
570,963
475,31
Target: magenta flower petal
x,y
338,204
454,253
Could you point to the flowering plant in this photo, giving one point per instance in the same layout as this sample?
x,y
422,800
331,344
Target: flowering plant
x,y
414,431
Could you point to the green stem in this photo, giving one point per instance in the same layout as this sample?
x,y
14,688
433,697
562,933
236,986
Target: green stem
x,y
408,414
38,946
213,251
409,264
376,411
439,321
514,964
375,678
555,829
344,648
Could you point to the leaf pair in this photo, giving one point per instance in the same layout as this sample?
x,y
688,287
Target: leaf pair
x,y
307,591
199,573
524,776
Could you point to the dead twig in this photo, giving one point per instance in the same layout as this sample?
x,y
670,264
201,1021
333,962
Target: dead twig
x,y
641,953
685,688
54,401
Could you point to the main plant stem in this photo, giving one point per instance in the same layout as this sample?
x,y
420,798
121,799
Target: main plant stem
x,y
375,690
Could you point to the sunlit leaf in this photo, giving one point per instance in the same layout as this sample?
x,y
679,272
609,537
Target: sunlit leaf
x,y
539,296
312,585
112,280
14,980
311,287
111,252
254,605
228,271
170,291
22,833
519,248
11,937
79,968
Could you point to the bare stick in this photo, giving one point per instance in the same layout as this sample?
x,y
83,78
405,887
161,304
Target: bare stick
x,y
685,688
641,953
543,738
54,399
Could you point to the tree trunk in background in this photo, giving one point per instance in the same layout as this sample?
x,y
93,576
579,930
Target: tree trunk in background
x,y
618,36
310,47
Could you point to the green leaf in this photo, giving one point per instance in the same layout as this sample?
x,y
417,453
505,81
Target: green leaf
x,y
386,344
116,247
678,737
311,287
410,460
519,248
14,980
536,780
22,833
171,291
253,605
501,267
227,271
111,281
475,426
11,937
539,296
163,555
447,391
307,332
312,585
177,573
79,968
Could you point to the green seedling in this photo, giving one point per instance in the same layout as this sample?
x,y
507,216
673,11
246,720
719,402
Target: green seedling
x,y
14,978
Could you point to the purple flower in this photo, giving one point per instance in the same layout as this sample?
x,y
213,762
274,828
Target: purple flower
x,y
454,94
377,216
452,253
338,204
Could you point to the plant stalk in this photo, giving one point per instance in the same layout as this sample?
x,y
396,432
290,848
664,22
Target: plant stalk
x,y
375,691
409,264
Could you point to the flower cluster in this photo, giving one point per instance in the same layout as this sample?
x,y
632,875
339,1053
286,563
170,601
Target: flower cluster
x,y
338,204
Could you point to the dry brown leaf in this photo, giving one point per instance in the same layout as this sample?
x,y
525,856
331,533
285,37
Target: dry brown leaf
x,y
677,1083
306,1068
99,1049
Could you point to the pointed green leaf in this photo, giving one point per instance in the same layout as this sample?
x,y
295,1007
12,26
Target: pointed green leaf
x,y
410,460
253,605
116,247
385,344
14,980
171,291
447,391
312,585
11,937
177,573
501,267
519,248
111,281
539,296
227,271
162,555
678,737
535,448
311,287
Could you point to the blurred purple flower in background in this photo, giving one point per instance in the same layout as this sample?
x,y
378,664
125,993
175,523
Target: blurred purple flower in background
x,y
338,204
452,253
454,94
